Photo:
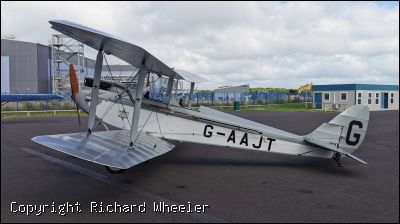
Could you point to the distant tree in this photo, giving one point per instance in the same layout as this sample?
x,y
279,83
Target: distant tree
x,y
268,90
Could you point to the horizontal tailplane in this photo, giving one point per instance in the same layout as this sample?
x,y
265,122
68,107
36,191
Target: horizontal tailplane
x,y
344,133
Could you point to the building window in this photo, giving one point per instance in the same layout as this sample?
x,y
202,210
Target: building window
x,y
376,98
327,96
359,98
369,98
343,96
391,98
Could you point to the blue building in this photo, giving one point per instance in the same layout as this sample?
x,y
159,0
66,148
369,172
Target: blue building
x,y
342,96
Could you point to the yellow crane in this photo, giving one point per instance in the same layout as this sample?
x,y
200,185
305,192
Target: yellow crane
x,y
305,88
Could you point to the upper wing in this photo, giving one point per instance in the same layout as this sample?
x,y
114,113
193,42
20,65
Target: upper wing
x,y
116,46
28,97
109,148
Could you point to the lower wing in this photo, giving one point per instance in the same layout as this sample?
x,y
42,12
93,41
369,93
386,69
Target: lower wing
x,y
109,148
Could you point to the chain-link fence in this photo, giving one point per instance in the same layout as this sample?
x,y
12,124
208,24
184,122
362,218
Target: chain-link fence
x,y
39,105
199,98
261,98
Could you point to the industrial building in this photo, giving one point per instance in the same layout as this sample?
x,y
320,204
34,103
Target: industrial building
x,y
342,96
30,67
25,67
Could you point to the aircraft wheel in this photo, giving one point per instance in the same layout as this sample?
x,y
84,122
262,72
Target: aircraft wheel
x,y
114,170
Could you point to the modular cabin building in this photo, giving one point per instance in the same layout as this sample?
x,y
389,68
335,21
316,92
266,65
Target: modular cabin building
x,y
342,96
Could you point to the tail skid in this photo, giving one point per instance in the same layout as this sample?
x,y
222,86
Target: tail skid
x,y
344,133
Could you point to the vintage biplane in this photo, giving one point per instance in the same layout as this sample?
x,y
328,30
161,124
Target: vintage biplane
x,y
145,124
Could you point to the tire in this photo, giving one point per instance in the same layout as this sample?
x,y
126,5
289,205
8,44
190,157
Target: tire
x,y
114,170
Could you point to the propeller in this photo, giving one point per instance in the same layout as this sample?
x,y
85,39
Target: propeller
x,y
74,88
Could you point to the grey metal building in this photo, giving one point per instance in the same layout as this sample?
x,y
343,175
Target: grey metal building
x,y
342,96
26,67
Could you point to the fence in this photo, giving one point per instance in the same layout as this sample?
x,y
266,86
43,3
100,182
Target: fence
x,y
29,113
199,98
258,98
39,105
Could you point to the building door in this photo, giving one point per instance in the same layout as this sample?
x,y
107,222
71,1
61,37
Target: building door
x,y
318,100
385,100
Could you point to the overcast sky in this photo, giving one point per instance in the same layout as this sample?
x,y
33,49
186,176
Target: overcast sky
x,y
264,44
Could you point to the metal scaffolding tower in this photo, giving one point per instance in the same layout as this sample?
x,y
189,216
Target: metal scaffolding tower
x,y
64,51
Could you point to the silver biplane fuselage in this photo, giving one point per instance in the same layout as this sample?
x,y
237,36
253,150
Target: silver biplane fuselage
x,y
146,124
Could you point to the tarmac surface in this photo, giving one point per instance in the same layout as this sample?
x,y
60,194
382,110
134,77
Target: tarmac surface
x,y
237,185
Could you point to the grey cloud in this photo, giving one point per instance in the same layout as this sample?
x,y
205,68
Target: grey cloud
x,y
277,44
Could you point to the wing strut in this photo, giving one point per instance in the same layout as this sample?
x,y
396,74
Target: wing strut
x,y
95,90
138,102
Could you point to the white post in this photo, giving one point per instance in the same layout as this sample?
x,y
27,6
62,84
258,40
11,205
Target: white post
x,y
138,103
169,89
191,94
176,87
95,90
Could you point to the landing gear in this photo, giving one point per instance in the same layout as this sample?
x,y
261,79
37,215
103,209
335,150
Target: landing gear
x,y
337,157
114,170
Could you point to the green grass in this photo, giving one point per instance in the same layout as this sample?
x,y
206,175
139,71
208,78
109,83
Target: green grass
x,y
286,107
39,114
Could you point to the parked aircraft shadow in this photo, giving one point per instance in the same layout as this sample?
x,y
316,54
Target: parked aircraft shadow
x,y
317,165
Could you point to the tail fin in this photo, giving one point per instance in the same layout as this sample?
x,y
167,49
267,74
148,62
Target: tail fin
x,y
344,133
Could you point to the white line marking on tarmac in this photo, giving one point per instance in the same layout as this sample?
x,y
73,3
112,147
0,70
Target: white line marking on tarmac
x,y
201,217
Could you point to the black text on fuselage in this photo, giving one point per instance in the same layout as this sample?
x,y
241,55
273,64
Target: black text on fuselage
x,y
233,138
